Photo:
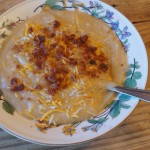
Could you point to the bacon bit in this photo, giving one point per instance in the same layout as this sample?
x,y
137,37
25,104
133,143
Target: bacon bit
x,y
59,52
51,78
77,42
45,52
13,81
92,62
52,34
84,38
18,88
40,58
102,57
92,73
81,40
30,30
64,34
91,49
39,39
18,66
70,37
103,67
48,32
72,61
86,55
53,45
59,48
56,24
38,64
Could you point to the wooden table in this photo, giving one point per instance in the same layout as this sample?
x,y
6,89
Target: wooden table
x,y
134,132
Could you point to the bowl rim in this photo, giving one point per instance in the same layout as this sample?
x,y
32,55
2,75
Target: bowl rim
x,y
90,140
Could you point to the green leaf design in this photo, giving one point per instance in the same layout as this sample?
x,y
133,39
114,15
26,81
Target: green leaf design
x,y
124,97
115,111
73,5
57,7
123,105
8,108
95,13
129,73
92,121
100,120
126,41
137,75
130,83
53,4
131,65
137,66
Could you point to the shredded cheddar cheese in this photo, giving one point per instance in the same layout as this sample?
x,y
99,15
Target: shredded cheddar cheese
x,y
51,111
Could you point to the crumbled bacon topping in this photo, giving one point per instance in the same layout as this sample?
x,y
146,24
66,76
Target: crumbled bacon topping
x,y
17,88
103,67
56,54
16,85
30,30
81,40
13,81
39,39
56,24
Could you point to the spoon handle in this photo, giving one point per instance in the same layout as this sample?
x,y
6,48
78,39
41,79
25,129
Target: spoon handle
x,y
142,94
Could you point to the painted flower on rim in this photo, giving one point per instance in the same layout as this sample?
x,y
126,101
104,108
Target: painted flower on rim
x,y
95,127
69,130
91,4
126,46
95,5
86,128
115,25
124,33
98,5
109,15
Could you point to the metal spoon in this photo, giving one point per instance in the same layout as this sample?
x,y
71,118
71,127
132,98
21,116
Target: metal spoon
x,y
139,93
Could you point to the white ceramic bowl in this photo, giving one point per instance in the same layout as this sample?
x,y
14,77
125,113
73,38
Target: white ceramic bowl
x,y
122,106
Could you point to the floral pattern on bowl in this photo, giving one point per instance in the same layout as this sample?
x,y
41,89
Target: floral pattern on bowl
x,y
133,76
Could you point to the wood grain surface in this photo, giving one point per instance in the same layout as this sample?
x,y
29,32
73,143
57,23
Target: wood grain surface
x,y
134,132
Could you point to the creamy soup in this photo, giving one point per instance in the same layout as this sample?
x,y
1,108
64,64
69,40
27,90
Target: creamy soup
x,y
56,66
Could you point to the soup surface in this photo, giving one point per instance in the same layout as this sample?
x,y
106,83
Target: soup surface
x,y
56,66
